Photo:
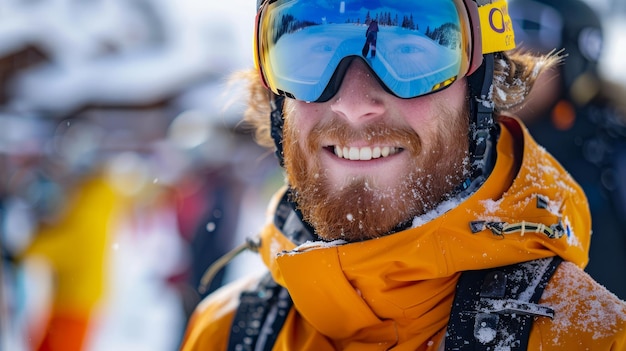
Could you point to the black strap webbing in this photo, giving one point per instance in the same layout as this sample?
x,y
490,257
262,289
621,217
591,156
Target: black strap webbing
x,y
494,309
260,317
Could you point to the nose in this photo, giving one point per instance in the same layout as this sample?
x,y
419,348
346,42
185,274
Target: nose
x,y
360,96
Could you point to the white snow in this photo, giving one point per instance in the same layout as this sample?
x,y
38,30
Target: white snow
x,y
313,245
485,334
589,311
444,207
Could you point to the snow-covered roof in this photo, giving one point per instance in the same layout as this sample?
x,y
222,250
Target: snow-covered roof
x,y
122,52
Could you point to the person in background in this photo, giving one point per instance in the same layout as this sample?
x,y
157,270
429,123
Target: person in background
x,y
415,214
371,35
75,247
56,214
579,117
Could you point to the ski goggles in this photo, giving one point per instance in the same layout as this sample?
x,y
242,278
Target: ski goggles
x,y
304,47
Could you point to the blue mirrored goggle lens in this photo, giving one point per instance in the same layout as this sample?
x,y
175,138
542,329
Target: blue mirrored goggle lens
x,y
413,47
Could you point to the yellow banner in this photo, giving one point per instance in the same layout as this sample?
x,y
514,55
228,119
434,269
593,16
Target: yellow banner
x,y
496,27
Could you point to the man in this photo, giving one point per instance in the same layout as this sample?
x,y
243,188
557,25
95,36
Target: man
x,y
412,219
576,116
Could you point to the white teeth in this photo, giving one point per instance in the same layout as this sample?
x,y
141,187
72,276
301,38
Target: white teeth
x,y
364,153
385,151
354,153
376,152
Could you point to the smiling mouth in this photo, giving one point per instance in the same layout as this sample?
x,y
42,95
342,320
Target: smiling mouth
x,y
366,153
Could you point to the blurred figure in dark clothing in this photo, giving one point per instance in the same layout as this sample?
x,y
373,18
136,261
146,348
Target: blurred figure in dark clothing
x,y
372,35
577,118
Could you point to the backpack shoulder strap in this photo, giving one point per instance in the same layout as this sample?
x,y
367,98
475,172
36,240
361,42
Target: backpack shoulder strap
x,y
259,317
263,311
494,309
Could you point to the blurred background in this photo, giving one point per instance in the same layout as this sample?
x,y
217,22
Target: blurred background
x,y
124,172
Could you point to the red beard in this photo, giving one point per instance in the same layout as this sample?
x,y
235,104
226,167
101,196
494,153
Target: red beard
x,y
359,210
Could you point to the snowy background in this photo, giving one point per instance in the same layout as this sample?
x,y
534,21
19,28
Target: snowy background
x,y
613,13
138,66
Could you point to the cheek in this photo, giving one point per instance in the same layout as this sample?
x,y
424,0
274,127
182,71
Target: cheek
x,y
300,118
303,115
433,112
422,116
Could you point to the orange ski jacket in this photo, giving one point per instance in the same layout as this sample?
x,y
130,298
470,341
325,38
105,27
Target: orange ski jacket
x,y
395,292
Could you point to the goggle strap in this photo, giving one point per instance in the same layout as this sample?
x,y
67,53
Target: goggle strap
x,y
277,121
480,87
483,130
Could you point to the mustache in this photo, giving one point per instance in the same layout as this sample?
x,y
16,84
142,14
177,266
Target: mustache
x,y
338,130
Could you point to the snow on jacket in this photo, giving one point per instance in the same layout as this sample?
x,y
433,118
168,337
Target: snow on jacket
x,y
395,292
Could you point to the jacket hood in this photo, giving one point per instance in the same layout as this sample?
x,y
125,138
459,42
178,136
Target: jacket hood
x,y
403,284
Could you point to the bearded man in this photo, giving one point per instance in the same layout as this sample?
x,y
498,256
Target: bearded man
x,y
417,215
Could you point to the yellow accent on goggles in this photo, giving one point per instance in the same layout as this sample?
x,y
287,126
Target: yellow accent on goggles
x,y
496,27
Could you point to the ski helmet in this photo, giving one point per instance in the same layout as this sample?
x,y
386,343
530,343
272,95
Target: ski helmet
x,y
571,25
